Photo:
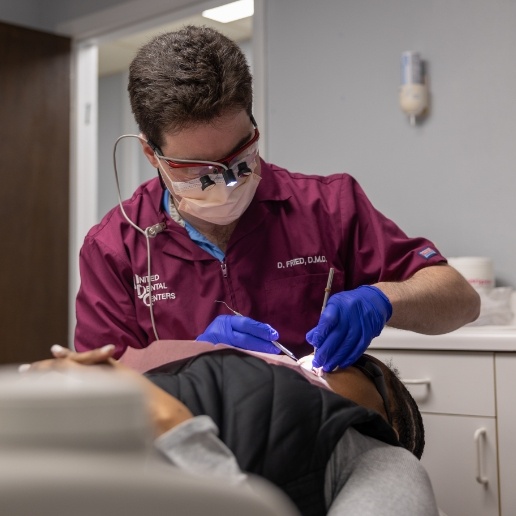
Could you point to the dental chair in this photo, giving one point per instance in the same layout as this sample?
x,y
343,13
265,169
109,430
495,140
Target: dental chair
x,y
54,488
80,444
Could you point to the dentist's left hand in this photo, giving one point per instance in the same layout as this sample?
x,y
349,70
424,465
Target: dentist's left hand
x,y
241,332
348,324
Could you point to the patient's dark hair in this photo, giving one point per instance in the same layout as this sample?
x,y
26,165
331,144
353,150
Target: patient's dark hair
x,y
407,419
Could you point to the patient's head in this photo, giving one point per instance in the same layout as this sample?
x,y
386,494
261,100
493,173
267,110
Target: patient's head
x,y
406,416
397,405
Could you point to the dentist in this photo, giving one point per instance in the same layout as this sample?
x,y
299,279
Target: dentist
x,y
220,224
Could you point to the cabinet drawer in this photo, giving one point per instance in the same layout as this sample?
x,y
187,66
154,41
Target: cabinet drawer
x,y
446,382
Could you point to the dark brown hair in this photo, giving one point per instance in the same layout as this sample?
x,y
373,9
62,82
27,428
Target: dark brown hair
x,y
192,76
406,417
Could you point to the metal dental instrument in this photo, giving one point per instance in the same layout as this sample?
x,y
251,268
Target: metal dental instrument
x,y
327,289
287,352
318,370
281,347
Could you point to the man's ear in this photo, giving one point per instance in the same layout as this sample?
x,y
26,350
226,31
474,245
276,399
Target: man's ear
x,y
148,151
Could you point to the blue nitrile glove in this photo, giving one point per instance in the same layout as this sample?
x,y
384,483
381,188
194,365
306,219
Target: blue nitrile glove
x,y
241,332
348,324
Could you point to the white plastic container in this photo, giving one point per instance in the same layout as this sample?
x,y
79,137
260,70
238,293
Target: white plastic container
x,y
478,270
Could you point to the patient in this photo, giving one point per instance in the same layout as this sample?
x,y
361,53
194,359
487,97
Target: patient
x,y
330,453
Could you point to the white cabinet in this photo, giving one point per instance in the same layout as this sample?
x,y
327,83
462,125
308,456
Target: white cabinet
x,y
455,392
505,364
462,465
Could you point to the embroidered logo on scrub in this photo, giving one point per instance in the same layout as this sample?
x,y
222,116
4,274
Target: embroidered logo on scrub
x,y
428,252
141,285
301,261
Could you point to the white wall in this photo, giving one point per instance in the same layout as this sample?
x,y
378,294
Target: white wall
x,y
47,14
26,13
94,21
333,75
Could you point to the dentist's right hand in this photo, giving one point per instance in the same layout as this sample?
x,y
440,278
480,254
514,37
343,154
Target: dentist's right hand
x,y
241,332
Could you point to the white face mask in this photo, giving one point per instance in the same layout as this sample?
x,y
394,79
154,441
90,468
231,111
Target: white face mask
x,y
220,204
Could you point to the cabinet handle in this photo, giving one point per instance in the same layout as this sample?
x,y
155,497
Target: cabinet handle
x,y
422,381
479,438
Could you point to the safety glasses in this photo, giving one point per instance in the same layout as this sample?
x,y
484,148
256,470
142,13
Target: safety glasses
x,y
375,374
237,162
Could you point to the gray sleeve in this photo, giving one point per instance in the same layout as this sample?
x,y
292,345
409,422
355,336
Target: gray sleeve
x,y
194,446
368,477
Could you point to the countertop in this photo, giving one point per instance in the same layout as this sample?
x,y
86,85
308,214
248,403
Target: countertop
x,y
468,338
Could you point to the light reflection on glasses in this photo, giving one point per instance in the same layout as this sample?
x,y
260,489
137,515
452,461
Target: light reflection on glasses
x,y
238,161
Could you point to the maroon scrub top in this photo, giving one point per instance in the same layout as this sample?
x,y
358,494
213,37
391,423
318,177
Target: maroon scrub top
x,y
275,269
